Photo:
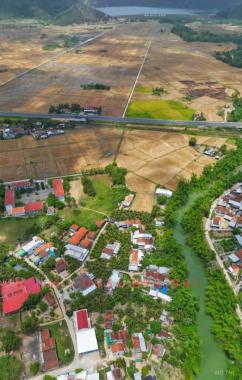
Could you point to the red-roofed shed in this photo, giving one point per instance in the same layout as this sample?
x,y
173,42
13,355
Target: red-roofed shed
x,y
58,188
82,321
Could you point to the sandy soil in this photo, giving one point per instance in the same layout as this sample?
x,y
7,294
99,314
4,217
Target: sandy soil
x,y
76,190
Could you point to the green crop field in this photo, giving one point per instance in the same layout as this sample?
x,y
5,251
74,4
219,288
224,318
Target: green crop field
x,y
159,109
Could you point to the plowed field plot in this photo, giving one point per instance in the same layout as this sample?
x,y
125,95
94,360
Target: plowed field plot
x,y
189,74
160,158
114,60
60,155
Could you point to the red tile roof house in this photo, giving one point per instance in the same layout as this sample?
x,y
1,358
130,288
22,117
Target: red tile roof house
x,y
14,294
84,284
117,349
60,265
108,319
48,347
58,189
86,243
34,207
9,201
78,236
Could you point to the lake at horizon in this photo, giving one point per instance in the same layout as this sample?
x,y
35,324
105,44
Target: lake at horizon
x,y
142,11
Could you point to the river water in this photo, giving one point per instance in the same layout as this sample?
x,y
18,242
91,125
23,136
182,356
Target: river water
x,y
214,362
142,11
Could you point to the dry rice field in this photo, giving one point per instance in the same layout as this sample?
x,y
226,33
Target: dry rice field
x,y
151,157
114,59
189,73
160,158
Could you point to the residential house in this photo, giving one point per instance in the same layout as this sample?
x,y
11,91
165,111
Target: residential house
x,y
60,265
114,280
58,189
30,247
76,252
126,203
159,350
108,319
48,349
139,344
110,250
74,228
143,240
135,259
117,349
115,374
9,202
215,222
78,236
84,284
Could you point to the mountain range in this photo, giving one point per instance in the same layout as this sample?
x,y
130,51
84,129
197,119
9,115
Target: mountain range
x,y
55,11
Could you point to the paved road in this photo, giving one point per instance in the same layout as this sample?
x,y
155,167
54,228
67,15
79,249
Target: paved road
x,y
126,120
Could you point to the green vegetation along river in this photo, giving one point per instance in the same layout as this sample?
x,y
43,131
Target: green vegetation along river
x,y
213,362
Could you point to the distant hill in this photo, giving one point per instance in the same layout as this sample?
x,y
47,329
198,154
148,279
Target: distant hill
x,y
190,4
56,11
231,13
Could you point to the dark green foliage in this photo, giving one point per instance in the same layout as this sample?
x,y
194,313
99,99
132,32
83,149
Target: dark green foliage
x,y
117,174
95,86
54,202
10,368
29,325
192,141
155,327
10,341
162,200
220,304
34,368
232,57
236,114
88,187
191,35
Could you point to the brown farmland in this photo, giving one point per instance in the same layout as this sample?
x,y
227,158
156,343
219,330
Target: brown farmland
x,y
151,157
114,59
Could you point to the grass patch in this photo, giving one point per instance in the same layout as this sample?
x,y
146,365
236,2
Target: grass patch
x,y
107,198
143,90
60,332
51,47
159,109
12,230
105,201
82,217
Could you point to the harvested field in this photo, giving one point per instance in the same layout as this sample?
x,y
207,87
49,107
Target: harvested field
x,y
60,155
189,73
114,59
22,45
160,158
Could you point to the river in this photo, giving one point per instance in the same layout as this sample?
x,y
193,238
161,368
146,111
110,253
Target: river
x,y
214,362
144,11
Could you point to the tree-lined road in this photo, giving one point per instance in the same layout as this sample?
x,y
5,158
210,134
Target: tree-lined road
x,y
125,120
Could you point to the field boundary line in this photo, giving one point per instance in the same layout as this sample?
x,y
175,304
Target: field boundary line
x,y
137,78
63,52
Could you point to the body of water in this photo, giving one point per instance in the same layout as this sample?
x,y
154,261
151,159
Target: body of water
x,y
213,362
142,11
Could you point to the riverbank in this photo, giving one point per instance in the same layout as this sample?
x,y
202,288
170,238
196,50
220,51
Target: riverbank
x,y
213,360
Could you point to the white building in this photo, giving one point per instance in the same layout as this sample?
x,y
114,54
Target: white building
x,y
30,247
156,294
165,192
76,252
